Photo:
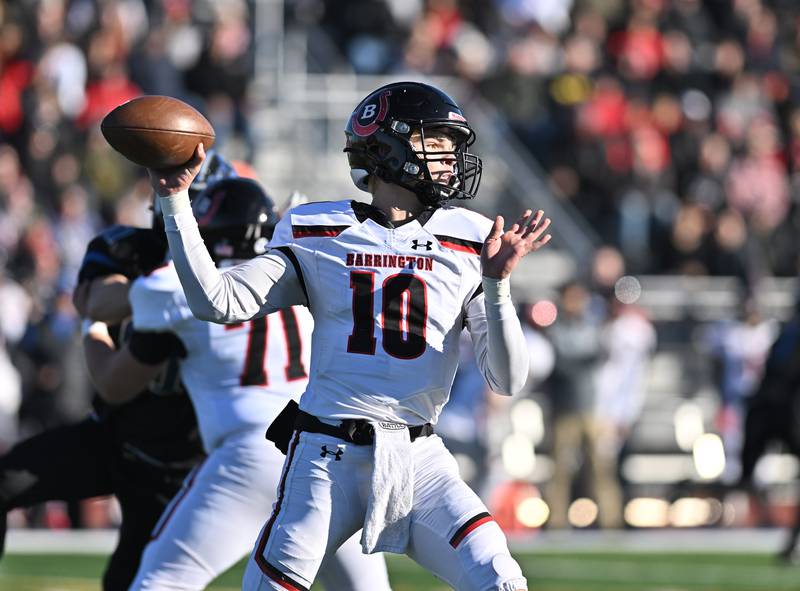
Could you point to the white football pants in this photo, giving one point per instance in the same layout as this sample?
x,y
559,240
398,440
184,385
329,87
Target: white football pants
x,y
215,518
322,501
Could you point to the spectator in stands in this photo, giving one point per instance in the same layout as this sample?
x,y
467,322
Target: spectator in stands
x,y
608,267
222,74
628,341
16,199
731,252
74,227
687,252
757,185
15,76
109,82
706,185
577,436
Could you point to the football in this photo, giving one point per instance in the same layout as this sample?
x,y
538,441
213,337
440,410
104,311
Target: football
x,y
156,131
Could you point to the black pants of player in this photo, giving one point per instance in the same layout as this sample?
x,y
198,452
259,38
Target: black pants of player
x,y
768,422
81,461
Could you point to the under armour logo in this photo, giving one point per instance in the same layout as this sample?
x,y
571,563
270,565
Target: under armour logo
x,y
336,454
426,245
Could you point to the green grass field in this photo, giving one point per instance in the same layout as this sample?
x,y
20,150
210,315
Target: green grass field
x,y
546,571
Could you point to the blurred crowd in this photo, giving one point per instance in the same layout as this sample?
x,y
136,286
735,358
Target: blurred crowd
x,y
669,124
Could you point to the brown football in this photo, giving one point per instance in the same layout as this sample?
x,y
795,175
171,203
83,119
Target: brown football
x,y
156,131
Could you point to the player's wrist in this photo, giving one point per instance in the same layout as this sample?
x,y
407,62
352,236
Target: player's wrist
x,y
175,203
495,289
94,328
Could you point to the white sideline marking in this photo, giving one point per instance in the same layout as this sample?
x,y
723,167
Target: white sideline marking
x,y
99,541
666,575
665,540
43,541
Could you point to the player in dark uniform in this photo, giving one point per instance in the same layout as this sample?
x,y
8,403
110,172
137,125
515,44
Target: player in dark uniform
x,y
773,416
140,451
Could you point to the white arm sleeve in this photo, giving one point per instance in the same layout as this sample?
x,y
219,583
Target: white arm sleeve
x,y
497,338
258,286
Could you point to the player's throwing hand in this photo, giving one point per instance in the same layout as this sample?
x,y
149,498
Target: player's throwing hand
x,y
503,250
174,180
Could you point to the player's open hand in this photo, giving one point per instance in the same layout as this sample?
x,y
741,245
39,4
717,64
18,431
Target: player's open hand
x,y
503,249
169,181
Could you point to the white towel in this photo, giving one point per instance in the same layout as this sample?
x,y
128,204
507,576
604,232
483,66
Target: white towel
x,y
387,524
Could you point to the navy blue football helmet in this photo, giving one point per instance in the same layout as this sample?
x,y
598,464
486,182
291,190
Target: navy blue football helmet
x,y
236,218
379,142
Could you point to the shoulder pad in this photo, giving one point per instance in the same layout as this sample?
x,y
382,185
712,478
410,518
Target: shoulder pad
x,y
460,229
321,219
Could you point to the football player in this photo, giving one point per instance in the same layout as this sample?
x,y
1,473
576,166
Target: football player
x,y
139,451
391,286
238,377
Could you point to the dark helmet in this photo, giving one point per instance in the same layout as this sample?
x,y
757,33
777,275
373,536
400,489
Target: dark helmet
x,y
236,218
214,168
379,142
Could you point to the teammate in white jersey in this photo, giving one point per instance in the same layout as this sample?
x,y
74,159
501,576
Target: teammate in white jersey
x,y
238,376
391,286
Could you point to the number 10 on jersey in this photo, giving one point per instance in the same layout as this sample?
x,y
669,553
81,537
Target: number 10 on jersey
x,y
404,314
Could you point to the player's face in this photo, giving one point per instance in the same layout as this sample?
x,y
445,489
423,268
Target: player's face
x,y
438,152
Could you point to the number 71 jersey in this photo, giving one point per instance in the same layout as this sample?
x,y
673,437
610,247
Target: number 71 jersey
x,y
389,304
239,376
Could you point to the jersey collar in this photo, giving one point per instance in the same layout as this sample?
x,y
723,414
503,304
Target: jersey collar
x,y
364,211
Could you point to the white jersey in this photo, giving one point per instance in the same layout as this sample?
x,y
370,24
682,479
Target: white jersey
x,y
239,376
389,305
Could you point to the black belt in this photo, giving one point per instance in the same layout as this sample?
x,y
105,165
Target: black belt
x,y
356,431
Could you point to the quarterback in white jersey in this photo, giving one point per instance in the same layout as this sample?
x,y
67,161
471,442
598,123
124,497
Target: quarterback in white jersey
x,y
427,279
239,377
390,285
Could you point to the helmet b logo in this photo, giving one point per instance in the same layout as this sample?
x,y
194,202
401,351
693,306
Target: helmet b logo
x,y
369,111
371,115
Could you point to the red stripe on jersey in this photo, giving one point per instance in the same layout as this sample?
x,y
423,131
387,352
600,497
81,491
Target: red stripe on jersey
x,y
460,247
317,231
282,580
460,244
266,568
176,501
469,527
